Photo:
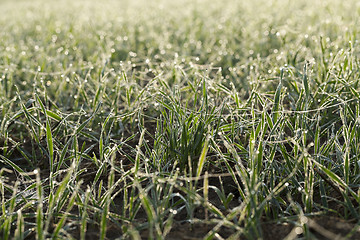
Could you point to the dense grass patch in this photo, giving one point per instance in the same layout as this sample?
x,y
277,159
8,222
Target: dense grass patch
x,y
129,119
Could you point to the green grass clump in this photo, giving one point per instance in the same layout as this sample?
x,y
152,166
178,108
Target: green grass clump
x,y
129,119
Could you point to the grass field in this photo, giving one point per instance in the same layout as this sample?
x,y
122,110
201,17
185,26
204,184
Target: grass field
x,y
179,119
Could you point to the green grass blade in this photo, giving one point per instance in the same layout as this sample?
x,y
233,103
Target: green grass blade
x,y
202,158
276,105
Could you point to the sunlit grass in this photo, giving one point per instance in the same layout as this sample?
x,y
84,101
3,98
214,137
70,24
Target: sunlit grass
x,y
123,119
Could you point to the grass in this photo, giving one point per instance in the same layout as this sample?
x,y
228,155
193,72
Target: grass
x,y
130,119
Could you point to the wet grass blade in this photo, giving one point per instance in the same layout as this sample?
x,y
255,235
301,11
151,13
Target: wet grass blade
x,y
306,83
14,166
40,234
202,158
276,105
49,138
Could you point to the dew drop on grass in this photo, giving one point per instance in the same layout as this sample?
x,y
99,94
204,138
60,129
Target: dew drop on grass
x,y
304,220
173,211
298,230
